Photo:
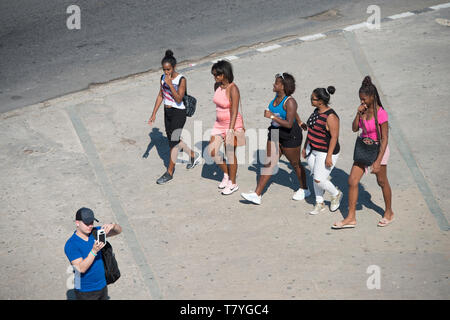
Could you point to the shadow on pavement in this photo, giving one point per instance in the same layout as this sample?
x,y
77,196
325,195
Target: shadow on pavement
x,y
338,177
162,146
209,169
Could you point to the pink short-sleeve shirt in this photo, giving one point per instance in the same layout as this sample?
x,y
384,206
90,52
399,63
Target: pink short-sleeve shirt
x,y
370,125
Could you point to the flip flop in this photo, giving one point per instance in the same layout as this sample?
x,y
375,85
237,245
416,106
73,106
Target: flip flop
x,y
385,222
342,226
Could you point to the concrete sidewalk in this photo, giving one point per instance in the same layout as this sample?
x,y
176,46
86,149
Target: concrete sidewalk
x,y
184,240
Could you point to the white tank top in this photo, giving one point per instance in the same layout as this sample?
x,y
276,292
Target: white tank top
x,y
169,100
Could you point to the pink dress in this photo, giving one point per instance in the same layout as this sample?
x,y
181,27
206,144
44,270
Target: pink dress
x,y
223,106
372,133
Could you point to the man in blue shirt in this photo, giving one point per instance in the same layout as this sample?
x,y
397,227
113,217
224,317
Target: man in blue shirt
x,y
83,252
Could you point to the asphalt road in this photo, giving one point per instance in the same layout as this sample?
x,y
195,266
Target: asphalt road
x,y
40,58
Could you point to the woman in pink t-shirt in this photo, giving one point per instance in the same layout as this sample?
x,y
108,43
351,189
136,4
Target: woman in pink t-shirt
x,y
370,101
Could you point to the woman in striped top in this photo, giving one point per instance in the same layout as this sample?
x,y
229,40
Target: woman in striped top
x,y
171,92
321,148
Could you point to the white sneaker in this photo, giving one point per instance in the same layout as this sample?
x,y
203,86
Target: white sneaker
x,y
230,188
320,207
252,197
224,182
336,201
301,194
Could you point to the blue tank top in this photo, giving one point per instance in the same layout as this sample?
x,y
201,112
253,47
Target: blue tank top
x,y
278,109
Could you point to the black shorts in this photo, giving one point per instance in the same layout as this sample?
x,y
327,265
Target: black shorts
x,y
174,120
288,138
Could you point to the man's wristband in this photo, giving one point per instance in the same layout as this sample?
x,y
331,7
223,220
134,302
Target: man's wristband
x,y
93,253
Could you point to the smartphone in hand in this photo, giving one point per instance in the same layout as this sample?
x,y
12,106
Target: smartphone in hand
x,y
101,236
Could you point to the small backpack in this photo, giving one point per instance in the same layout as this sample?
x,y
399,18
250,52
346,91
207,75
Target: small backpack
x,y
189,102
112,272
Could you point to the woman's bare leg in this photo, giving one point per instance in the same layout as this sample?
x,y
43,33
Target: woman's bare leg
x,y
353,181
383,182
293,155
266,172
213,147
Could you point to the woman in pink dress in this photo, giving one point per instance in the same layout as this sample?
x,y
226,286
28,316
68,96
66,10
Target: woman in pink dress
x,y
229,125
370,111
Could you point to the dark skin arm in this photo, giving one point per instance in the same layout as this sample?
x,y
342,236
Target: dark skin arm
x,y
158,101
234,97
177,95
300,123
383,145
333,127
355,124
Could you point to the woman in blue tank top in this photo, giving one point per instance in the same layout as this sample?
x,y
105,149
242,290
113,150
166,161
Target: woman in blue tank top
x,y
284,138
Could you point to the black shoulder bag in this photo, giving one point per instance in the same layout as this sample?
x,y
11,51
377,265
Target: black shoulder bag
x,y
366,150
112,272
189,102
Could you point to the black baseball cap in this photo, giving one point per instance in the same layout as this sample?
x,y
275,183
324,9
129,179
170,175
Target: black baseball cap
x,y
86,215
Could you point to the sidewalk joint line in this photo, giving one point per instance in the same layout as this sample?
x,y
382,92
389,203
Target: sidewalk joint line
x,y
401,142
118,211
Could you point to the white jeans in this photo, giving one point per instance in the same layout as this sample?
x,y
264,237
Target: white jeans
x,y
320,172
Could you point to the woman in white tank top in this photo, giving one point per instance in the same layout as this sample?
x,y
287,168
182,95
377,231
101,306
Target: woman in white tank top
x,y
171,92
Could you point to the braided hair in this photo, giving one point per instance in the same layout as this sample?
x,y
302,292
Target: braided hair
x,y
368,88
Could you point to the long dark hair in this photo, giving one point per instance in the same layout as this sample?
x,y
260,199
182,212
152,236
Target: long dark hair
x,y
368,88
225,68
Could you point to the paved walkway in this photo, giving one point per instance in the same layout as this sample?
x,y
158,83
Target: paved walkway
x,y
184,240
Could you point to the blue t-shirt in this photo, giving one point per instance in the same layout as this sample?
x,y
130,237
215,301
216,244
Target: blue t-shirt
x,y
94,278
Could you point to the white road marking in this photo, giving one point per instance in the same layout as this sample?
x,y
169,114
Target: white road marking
x,y
313,37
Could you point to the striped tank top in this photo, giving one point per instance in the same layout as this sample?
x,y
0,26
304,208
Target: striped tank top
x,y
169,100
318,136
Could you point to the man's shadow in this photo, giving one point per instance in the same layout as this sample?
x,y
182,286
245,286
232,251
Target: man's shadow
x,y
158,140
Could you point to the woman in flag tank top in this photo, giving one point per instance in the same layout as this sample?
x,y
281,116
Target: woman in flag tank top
x,y
322,148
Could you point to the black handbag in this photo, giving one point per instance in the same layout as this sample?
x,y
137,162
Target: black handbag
x,y
112,272
366,149
189,102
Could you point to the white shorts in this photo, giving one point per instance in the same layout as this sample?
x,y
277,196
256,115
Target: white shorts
x,y
316,163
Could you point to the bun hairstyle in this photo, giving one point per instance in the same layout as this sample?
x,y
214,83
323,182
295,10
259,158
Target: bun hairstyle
x,y
324,94
368,88
169,58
